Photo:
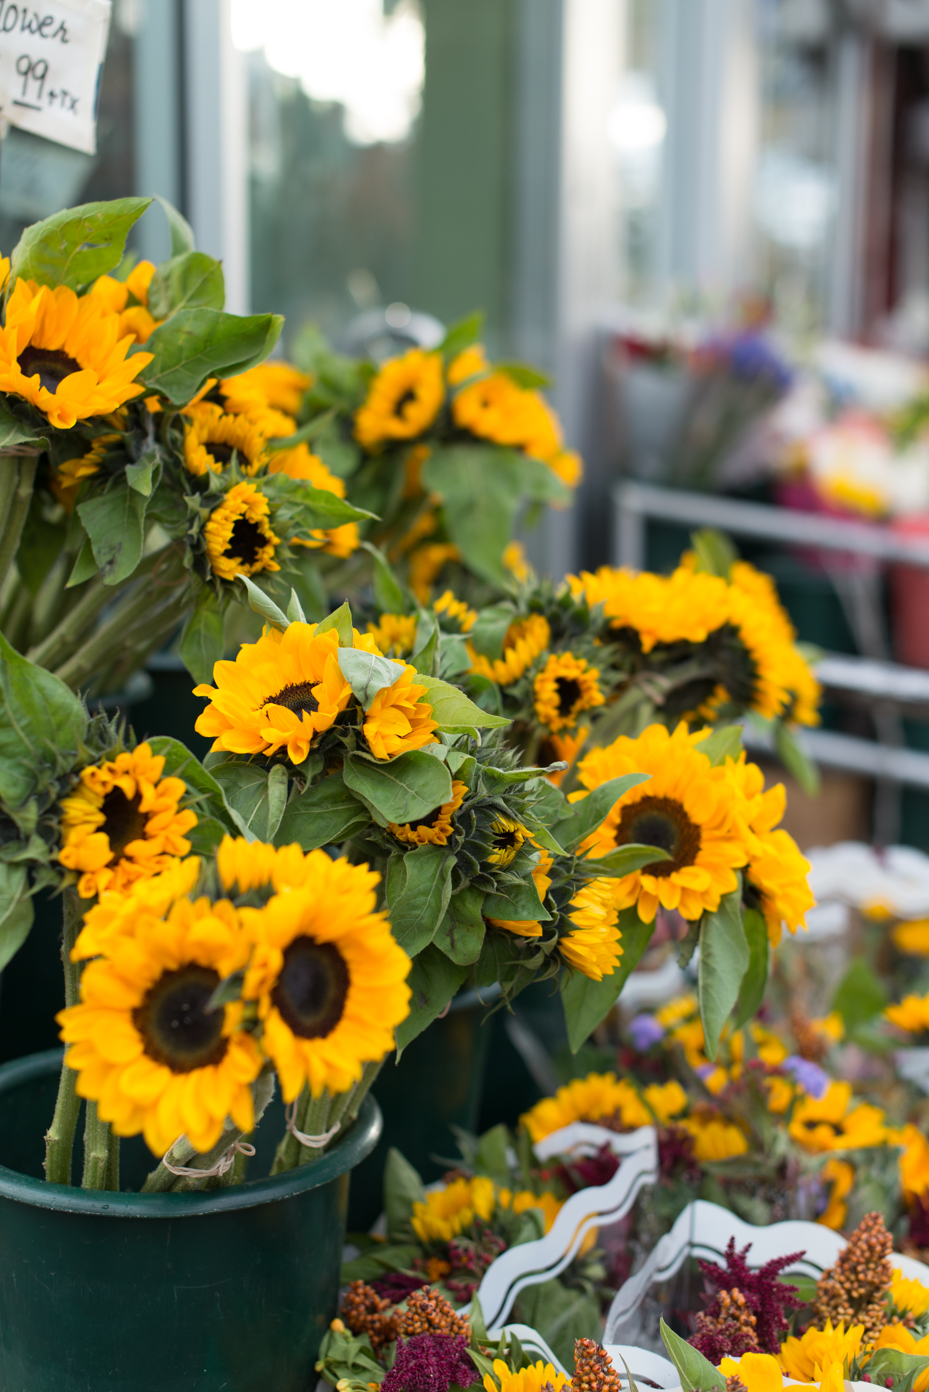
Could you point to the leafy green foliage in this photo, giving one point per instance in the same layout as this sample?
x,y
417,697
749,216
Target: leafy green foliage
x,y
201,645
795,759
724,960
455,711
401,790
584,816
518,902
433,980
724,743
77,245
751,992
14,431
197,343
16,912
367,674
860,995
461,933
115,524
461,335
204,794
42,726
325,814
255,796
587,1002
697,1373
182,234
192,280
418,892
402,1189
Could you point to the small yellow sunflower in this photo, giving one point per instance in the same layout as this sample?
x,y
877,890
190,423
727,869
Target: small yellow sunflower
x,y
537,1377
68,476
906,1295
426,564
123,822
239,539
508,836
495,408
445,1213
837,1122
448,607
394,634
714,1138
776,868
65,355
274,384
911,1015
687,808
299,463
279,693
598,1096
527,927
467,363
327,973
564,687
398,719
144,1043
594,946
806,1358
403,400
841,1176
436,828
114,296
804,690
212,437
525,640
684,607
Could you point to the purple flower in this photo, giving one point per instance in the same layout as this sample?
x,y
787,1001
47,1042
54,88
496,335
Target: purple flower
x,y
430,1363
645,1031
395,1286
706,1070
808,1075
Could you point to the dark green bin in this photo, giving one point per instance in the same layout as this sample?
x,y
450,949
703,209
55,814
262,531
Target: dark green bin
x,y
104,1292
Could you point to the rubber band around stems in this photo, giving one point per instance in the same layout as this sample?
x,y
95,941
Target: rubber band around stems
x,y
312,1142
223,1165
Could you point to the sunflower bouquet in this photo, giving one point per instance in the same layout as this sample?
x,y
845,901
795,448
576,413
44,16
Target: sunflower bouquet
x,y
447,449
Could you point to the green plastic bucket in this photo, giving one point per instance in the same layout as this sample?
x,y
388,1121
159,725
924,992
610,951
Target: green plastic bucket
x,y
229,1291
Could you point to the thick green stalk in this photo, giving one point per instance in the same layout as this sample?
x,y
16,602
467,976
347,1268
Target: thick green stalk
x,y
96,1149
59,1139
182,1153
314,1117
111,638
67,634
18,471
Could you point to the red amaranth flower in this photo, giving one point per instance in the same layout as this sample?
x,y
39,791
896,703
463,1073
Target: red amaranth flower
x,y
430,1363
766,1297
395,1286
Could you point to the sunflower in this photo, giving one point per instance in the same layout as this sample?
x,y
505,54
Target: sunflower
x,y
68,476
403,400
449,608
299,463
514,559
804,1359
536,1377
65,356
394,634
445,1213
114,295
508,835
795,673
913,1163
145,1044
467,363
776,869
834,1123
527,927
239,540
123,822
598,1096
327,973
426,563
909,1297
568,466
398,719
496,408
279,693
434,829
564,687
685,607
911,1015
841,1176
687,807
593,947
212,437
120,912
714,1138
524,641
274,384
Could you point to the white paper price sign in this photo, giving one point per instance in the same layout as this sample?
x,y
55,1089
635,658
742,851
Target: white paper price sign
x,y
51,55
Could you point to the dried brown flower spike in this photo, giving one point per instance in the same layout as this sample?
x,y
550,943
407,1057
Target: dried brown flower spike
x,y
428,1312
593,1370
735,1384
363,1310
854,1291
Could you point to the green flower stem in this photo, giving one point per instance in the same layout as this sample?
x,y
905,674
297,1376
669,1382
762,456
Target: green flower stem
x,y
114,637
182,1153
67,634
59,1139
96,1149
315,1116
112,1162
17,474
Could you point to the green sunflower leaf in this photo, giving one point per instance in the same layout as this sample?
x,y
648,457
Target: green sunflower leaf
x,y
751,991
585,815
517,903
201,645
454,711
403,1188
892,1364
418,891
697,1373
205,795
255,796
115,524
16,911
462,335
77,245
624,860
198,343
42,726
724,743
724,960
433,980
326,813
529,378
367,674
461,933
262,604
190,281
388,592
795,758
182,234
587,1002
425,657
404,789
341,620
488,633
14,432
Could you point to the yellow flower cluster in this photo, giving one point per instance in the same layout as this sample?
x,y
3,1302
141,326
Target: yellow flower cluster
x,y
324,980
447,1212
407,395
711,822
689,606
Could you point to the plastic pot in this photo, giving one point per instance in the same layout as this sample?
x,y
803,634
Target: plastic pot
x,y
228,1291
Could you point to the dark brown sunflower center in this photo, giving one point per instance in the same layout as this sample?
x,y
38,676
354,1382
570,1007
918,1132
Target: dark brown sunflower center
x,y
247,541
173,1020
569,693
312,987
221,453
52,365
124,822
296,698
661,822
407,399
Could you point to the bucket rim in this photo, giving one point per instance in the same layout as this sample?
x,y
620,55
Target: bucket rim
x,y
358,1142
